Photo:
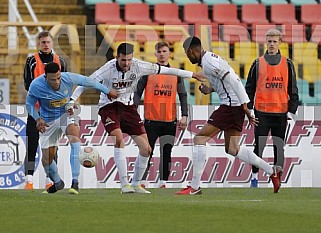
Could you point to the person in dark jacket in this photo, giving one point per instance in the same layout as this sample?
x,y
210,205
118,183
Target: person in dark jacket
x,y
160,111
273,93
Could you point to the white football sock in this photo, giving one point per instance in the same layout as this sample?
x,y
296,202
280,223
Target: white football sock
x,y
139,170
121,164
248,156
48,181
29,178
199,159
254,176
161,182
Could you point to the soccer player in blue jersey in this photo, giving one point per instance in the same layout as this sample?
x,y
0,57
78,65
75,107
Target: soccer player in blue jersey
x,y
53,90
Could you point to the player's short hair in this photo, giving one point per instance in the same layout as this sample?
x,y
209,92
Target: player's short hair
x,y
51,68
274,32
161,44
44,34
125,49
192,41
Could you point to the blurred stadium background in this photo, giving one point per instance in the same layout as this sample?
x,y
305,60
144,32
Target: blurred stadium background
x,y
86,33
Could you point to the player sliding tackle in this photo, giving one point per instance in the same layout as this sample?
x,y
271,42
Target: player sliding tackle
x,y
229,117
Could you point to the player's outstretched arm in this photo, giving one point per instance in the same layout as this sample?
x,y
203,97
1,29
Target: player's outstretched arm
x,y
182,73
200,76
84,82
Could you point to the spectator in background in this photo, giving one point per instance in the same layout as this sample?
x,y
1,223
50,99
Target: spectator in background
x,y
160,111
52,91
229,117
273,93
120,115
34,67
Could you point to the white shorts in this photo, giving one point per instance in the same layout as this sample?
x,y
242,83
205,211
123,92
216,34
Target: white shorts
x,y
55,130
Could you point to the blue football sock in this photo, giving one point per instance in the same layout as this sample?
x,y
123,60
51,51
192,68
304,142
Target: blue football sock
x,y
52,171
74,160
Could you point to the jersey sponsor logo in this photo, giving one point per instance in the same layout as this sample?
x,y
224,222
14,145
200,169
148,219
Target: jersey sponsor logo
x,y
12,151
163,92
122,84
274,83
58,103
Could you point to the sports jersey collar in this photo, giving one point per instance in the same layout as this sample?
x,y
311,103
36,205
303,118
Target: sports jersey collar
x,y
272,59
164,65
118,68
51,53
273,54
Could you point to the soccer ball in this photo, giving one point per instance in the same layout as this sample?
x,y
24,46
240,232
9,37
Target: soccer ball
x,y
88,157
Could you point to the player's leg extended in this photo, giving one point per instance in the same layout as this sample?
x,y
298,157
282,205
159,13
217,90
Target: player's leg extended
x,y
199,158
141,161
51,169
49,143
232,138
72,133
119,155
48,164
199,152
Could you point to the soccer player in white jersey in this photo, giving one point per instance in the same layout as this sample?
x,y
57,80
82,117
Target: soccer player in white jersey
x,y
120,115
53,90
229,117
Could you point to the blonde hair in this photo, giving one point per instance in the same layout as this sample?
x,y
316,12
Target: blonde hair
x,y
274,32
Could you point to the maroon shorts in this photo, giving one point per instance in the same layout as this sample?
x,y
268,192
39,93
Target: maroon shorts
x,y
120,116
228,117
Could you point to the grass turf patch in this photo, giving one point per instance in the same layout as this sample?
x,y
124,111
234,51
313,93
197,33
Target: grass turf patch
x,y
217,210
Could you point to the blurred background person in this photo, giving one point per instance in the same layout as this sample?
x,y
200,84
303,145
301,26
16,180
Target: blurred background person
x,y
160,111
273,93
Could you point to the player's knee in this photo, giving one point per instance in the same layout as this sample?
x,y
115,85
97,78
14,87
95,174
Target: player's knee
x,y
145,151
45,160
196,140
73,139
231,151
149,151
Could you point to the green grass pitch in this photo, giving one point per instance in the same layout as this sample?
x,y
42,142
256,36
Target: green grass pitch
x,y
217,210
